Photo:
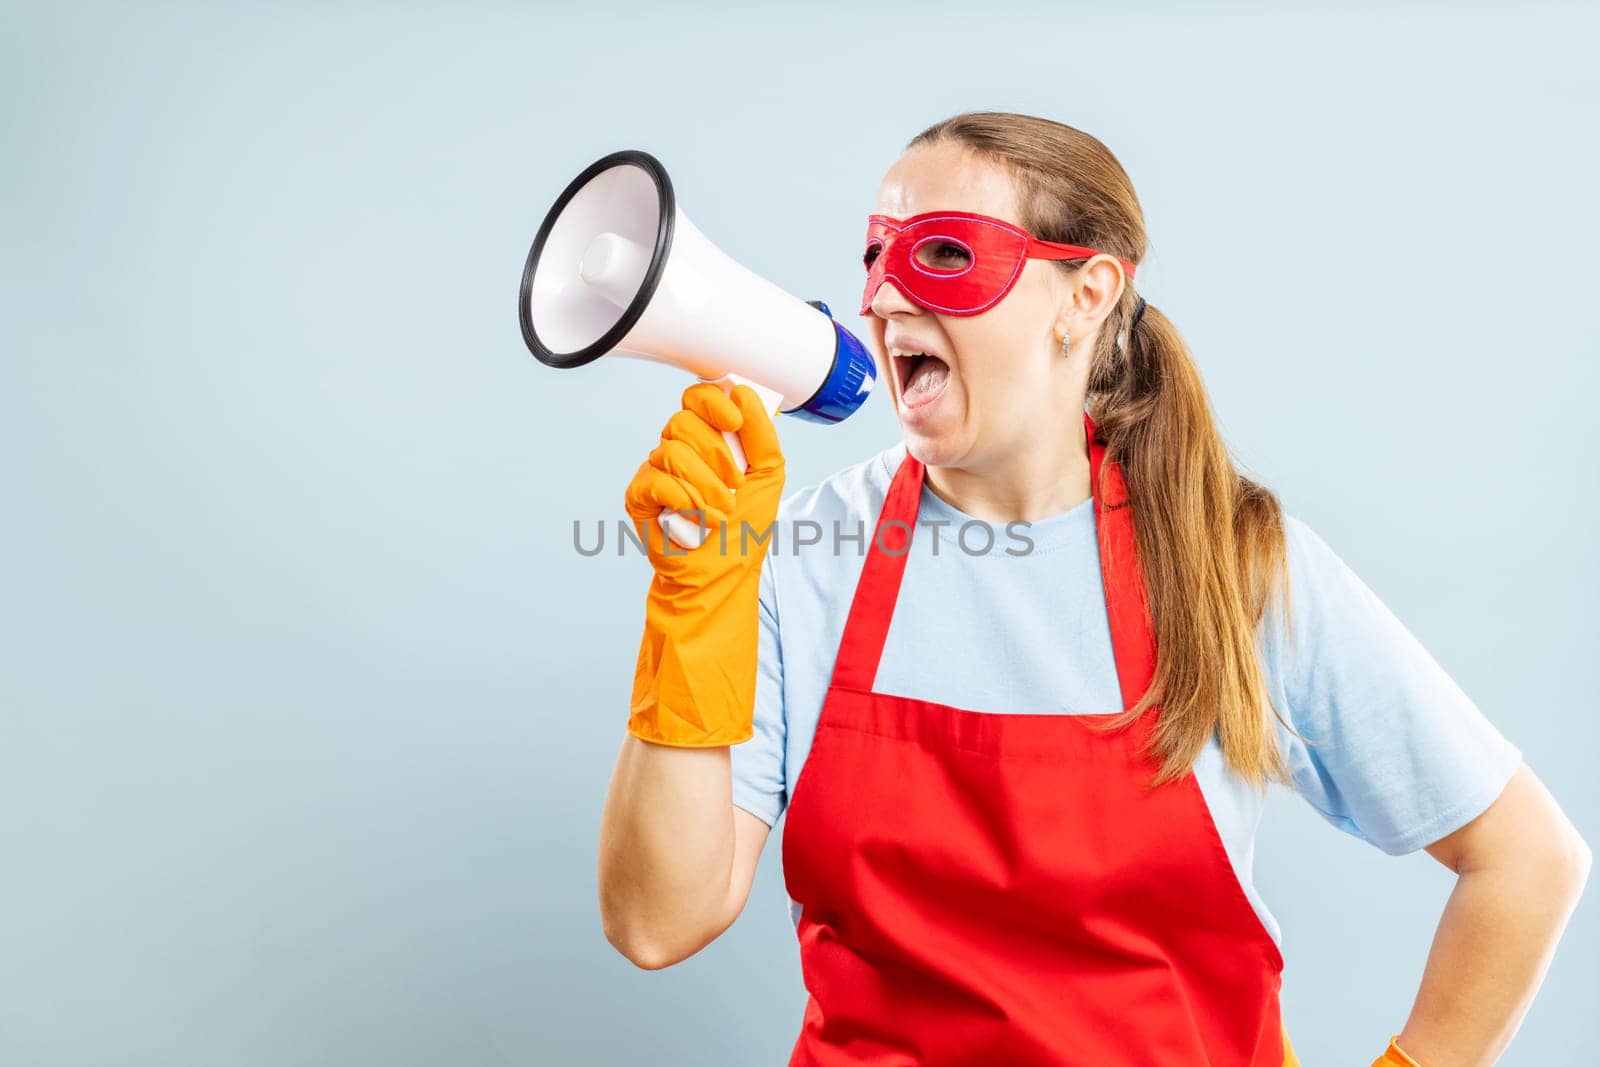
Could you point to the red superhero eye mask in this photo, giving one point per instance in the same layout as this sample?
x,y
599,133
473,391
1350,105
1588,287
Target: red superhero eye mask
x,y
955,262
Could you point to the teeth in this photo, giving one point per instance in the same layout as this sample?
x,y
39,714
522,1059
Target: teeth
x,y
903,374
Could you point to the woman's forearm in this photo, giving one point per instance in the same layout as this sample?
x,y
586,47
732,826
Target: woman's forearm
x,y
1494,943
666,849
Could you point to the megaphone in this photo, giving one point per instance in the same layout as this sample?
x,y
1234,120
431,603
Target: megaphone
x,y
618,269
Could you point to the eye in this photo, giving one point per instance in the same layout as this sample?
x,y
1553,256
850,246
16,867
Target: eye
x,y
871,254
944,255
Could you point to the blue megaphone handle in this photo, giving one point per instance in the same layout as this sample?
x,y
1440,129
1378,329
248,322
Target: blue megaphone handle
x,y
849,380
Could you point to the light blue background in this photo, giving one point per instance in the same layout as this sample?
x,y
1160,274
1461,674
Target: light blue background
x,y
309,705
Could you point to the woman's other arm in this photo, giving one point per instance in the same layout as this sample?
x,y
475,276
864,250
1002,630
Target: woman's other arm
x,y
1521,866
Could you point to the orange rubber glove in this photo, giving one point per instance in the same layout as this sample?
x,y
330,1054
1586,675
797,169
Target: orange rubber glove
x,y
1289,1057
695,682
1395,1056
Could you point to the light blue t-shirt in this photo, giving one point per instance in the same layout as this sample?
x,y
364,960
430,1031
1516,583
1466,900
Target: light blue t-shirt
x,y
1007,619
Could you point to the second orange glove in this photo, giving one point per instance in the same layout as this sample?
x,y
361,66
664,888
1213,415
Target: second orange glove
x,y
1395,1056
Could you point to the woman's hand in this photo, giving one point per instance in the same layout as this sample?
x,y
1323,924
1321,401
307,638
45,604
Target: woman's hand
x,y
694,683
692,470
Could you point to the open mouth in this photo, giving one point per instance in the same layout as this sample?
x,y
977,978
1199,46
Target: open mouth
x,y
921,377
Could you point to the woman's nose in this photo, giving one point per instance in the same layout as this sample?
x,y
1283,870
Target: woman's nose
x,y
890,299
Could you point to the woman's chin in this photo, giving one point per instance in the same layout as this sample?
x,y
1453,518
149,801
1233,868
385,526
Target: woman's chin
x,y
937,442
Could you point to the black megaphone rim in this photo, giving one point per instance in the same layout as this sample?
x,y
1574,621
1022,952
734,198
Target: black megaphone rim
x,y
658,260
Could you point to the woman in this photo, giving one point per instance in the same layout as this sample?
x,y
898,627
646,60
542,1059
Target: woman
x,y
1017,834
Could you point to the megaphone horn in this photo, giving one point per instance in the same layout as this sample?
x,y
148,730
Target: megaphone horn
x,y
617,268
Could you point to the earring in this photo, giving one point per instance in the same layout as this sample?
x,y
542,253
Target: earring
x,y
1066,340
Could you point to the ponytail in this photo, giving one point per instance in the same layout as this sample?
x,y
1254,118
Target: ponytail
x,y
1211,545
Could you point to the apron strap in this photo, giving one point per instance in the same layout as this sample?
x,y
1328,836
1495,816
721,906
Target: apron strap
x,y
866,628
1127,601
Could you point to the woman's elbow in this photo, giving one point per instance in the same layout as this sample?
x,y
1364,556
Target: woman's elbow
x,y
625,939
1559,860
645,954
1580,858
1524,832
645,944
1567,856
643,957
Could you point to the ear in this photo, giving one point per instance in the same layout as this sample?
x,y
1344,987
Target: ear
x,y
1093,290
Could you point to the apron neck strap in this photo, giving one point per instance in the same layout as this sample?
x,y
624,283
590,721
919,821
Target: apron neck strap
x,y
867,626
1127,601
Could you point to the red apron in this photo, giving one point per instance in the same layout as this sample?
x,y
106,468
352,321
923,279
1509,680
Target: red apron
x,y
982,888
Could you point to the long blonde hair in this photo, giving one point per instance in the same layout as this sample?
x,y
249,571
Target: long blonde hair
x,y
1210,540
